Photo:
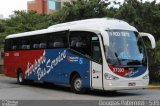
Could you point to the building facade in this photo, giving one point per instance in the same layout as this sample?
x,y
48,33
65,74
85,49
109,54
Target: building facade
x,y
45,6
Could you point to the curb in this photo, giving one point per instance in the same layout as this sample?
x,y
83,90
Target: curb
x,y
153,87
1,74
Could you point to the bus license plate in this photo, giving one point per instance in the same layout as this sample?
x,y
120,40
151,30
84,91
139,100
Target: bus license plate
x,y
132,84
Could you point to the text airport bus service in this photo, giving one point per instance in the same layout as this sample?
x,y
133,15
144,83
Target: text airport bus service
x,y
100,53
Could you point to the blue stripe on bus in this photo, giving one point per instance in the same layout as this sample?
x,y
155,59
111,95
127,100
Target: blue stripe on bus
x,y
57,65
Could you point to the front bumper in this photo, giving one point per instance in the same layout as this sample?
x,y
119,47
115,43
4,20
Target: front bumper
x,y
125,85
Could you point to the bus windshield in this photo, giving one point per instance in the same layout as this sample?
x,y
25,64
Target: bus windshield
x,y
126,48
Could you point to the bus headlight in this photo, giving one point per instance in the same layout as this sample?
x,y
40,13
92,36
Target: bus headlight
x,y
146,77
110,77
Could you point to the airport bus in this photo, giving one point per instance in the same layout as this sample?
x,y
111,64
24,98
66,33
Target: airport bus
x,y
99,53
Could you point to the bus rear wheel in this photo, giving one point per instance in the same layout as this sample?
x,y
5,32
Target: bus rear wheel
x,y
20,78
76,85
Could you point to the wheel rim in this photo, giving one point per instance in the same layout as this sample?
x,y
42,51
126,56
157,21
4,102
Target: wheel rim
x,y
20,77
78,84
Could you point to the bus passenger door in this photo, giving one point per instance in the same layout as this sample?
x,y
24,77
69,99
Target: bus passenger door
x,y
96,66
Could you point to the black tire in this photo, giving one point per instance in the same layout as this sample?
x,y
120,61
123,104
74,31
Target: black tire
x,y
20,78
76,84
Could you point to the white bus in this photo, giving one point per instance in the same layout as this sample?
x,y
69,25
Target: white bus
x,y
101,53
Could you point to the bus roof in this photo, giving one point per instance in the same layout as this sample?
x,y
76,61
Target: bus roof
x,y
95,24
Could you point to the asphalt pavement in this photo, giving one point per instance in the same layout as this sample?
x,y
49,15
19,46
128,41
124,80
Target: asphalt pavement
x,y
10,90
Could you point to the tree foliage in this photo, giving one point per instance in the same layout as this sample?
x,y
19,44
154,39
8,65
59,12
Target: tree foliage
x,y
22,21
81,9
144,16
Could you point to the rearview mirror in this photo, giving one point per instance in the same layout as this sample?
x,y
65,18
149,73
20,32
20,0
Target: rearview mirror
x,y
151,38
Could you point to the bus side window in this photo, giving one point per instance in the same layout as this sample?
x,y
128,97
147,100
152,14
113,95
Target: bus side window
x,y
39,41
80,44
8,45
74,41
58,44
36,46
14,47
51,45
25,47
80,41
96,52
42,45
23,43
57,40
28,47
15,44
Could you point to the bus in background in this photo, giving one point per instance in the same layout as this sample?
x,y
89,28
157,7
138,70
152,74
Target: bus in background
x,y
101,53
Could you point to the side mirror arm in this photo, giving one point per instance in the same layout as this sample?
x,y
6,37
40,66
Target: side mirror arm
x,y
151,38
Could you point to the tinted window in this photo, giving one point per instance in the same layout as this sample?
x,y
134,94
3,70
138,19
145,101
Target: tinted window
x,y
24,43
7,45
58,40
41,41
96,52
81,42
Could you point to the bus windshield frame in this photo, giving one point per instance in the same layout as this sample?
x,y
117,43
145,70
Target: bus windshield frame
x,y
126,49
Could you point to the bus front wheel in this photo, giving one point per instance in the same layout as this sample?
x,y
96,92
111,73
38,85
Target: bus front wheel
x,y
76,84
20,78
